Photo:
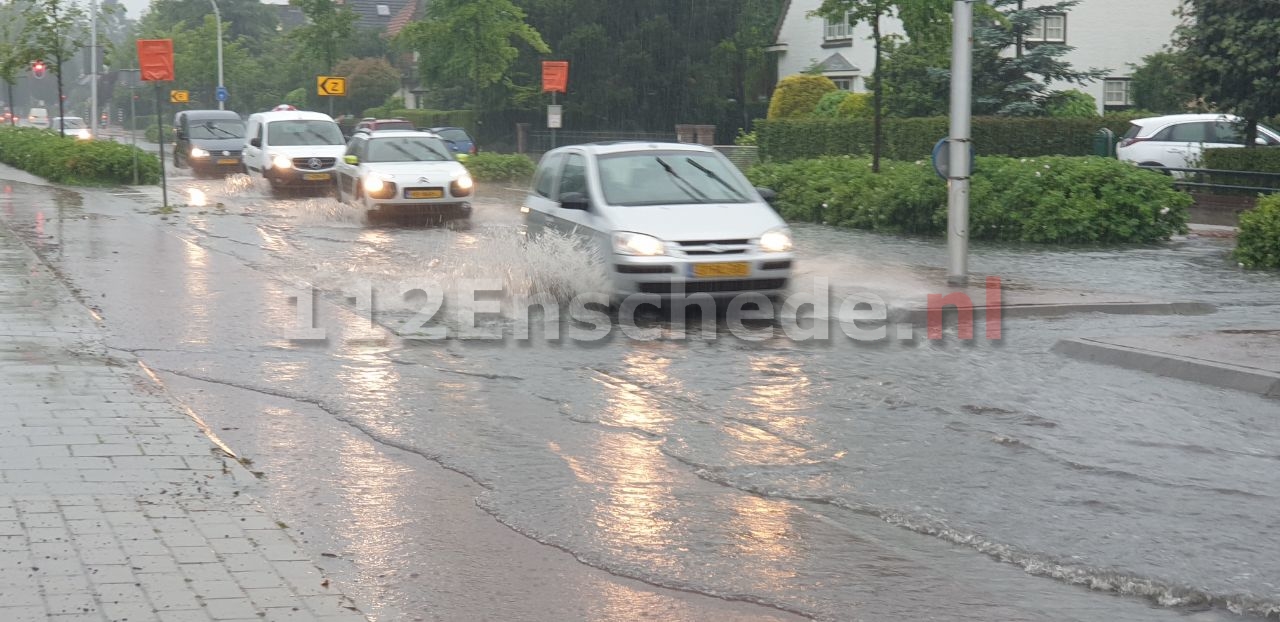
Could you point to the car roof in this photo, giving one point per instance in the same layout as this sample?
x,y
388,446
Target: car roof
x,y
210,114
1184,118
393,133
291,115
633,146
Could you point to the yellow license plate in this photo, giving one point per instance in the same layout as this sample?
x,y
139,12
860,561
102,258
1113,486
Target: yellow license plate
x,y
424,194
228,161
721,270
315,176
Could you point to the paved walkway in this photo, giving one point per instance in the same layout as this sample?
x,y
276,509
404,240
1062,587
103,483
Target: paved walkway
x,y
113,504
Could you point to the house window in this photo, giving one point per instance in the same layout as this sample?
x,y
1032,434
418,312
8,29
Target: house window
x,y
838,29
1048,29
384,10
1117,92
844,84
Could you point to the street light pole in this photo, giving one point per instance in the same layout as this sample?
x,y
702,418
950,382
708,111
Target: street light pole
x,y
960,143
218,16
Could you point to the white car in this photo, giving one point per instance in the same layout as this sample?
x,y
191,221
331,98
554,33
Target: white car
x,y
71,126
293,149
1179,141
668,218
38,117
404,173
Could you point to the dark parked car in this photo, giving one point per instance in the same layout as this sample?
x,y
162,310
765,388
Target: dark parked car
x,y
210,142
458,140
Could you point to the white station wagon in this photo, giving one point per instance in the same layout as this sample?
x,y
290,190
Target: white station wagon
x,y
669,218
404,173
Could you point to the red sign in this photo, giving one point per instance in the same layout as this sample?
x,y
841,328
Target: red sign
x,y
155,59
555,76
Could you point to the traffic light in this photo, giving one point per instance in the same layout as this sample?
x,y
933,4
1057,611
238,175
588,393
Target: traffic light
x,y
38,69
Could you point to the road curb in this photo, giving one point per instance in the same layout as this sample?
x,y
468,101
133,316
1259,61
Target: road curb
x,y
920,315
1224,375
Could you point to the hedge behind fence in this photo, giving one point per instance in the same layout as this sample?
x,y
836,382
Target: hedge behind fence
x,y
1259,159
913,139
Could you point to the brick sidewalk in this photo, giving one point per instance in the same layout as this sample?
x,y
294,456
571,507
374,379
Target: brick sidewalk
x,y
113,504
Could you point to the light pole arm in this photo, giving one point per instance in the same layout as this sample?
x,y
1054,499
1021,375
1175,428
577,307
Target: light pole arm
x,y
217,15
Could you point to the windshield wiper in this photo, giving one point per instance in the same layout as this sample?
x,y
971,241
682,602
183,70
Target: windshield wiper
x,y
683,184
210,126
326,139
712,174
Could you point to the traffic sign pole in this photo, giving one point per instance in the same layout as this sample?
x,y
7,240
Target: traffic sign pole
x,y
164,184
958,166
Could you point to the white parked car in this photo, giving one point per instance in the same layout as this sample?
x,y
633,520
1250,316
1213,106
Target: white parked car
x,y
404,173
1179,141
293,149
71,126
668,218
38,117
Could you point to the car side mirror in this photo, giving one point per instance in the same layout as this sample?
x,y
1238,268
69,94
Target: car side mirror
x,y
574,200
768,195
255,142
180,134
350,159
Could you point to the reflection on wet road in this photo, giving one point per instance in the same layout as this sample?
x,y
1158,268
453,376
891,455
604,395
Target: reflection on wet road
x,y
707,479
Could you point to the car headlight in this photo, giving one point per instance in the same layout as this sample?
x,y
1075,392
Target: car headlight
x,y
638,244
465,182
197,152
776,241
374,184
84,134
281,162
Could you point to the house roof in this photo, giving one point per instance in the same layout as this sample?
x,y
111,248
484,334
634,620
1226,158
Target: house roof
x,y
837,63
402,18
777,28
375,14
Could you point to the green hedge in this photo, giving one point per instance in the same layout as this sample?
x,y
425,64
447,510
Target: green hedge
x,y
1260,159
1258,245
428,118
492,167
1053,200
914,138
67,160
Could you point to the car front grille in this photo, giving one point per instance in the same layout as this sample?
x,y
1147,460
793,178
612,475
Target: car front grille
x,y
714,287
625,269
306,164
714,247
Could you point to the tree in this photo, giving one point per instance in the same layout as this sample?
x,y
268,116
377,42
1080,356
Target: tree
x,y
58,32
329,30
369,82
14,52
250,21
1160,83
1233,57
798,96
869,11
471,42
1071,104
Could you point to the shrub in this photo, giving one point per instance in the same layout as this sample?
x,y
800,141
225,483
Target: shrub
x,y
745,138
829,106
1258,246
1045,200
499,167
1260,159
797,96
856,106
1072,104
67,160
914,138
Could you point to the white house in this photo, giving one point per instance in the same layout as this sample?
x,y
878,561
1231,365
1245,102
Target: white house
x,y
1106,34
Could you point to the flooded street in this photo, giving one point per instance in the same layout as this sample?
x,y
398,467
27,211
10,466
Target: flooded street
x,y
710,478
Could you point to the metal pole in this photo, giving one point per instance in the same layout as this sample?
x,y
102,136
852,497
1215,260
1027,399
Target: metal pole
x,y
164,184
93,67
553,130
218,16
960,149
133,129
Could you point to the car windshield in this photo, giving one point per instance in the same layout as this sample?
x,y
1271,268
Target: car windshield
x,y
407,149
670,178
394,125
221,128
456,135
294,133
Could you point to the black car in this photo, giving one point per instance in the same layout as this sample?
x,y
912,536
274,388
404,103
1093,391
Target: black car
x,y
210,142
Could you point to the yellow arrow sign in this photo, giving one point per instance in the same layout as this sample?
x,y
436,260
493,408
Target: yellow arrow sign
x,y
179,97
331,86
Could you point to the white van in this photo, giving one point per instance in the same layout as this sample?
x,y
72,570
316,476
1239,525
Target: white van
x,y
293,149
38,117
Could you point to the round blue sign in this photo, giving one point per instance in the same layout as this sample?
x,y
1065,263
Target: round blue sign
x,y
222,94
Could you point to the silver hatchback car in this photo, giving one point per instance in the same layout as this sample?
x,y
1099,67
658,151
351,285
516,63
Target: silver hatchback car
x,y
667,218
